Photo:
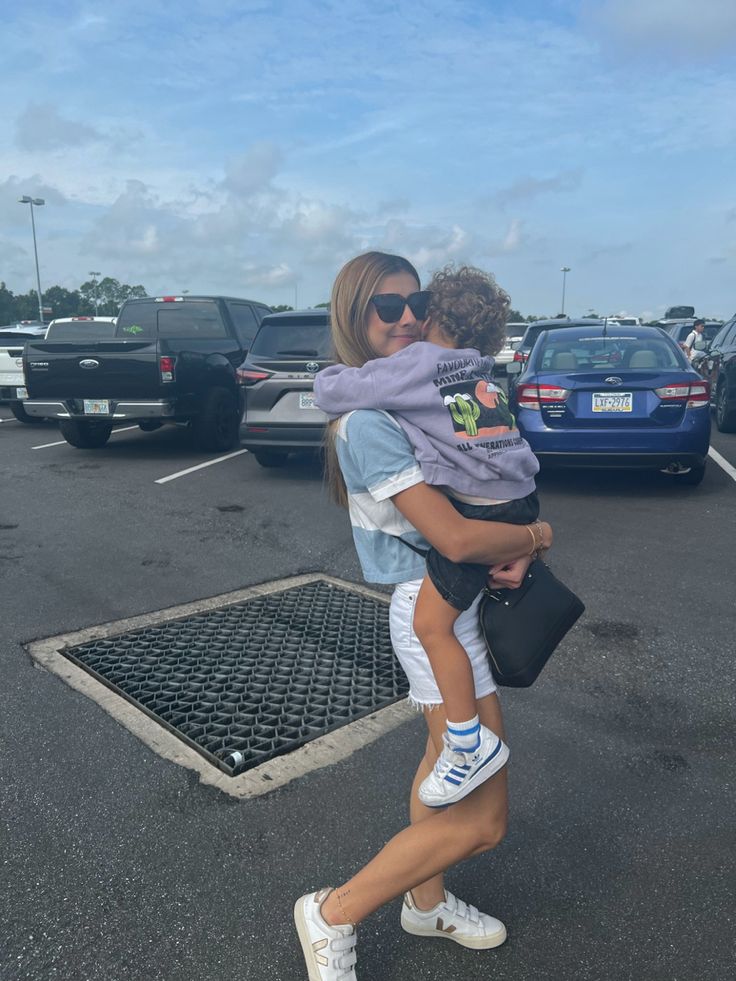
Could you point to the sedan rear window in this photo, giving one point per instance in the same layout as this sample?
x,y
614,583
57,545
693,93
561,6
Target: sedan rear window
x,y
602,353
287,340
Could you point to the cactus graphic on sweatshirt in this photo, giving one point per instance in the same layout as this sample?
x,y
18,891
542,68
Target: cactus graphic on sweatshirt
x,y
477,408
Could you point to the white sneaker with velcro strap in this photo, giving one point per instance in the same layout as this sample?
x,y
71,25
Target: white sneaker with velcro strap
x,y
329,951
452,919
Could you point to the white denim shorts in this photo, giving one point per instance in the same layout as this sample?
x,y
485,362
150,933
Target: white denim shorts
x,y
423,690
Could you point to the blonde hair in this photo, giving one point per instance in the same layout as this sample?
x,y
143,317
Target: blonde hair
x,y
469,307
355,284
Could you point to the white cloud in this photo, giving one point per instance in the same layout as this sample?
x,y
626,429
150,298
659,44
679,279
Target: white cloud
x,y
41,127
528,188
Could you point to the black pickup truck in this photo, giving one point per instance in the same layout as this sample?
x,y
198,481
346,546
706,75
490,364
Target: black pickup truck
x,y
171,359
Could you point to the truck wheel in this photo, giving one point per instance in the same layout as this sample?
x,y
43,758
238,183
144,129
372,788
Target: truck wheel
x,y
85,435
218,426
270,458
21,415
149,425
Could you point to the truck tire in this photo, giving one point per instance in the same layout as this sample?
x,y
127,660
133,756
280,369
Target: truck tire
x,y
217,428
21,415
85,435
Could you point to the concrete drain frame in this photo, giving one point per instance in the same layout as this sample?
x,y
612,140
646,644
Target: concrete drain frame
x,y
292,758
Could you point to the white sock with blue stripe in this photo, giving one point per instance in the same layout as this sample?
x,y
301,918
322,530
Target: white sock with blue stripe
x,y
464,736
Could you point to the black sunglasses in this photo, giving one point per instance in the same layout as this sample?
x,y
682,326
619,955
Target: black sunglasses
x,y
390,306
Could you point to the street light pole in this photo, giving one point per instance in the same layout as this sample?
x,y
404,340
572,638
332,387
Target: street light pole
x,y
565,270
38,202
97,292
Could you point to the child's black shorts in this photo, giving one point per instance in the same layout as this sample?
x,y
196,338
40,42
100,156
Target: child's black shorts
x,y
460,582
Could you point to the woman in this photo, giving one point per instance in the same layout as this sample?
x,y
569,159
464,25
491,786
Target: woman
x,y
372,470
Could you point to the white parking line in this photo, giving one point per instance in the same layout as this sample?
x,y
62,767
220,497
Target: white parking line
x,y
200,466
61,442
722,462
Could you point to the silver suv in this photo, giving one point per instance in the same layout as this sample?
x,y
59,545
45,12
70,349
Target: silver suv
x,y
278,377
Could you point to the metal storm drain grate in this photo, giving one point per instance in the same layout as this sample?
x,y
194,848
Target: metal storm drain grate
x,y
254,680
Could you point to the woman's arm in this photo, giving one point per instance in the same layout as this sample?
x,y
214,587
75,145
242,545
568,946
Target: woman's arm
x,y
464,539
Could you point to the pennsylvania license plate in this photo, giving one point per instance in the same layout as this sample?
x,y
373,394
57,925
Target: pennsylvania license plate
x,y
21,393
97,407
613,402
306,400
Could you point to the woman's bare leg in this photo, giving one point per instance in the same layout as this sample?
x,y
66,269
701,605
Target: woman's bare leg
x,y
434,622
418,855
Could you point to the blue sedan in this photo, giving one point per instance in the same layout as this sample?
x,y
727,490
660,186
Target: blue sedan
x,y
605,396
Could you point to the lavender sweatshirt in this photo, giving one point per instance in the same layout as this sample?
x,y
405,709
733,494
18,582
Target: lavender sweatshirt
x,y
457,420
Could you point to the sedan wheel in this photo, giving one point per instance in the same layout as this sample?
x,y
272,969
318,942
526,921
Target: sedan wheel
x,y
725,419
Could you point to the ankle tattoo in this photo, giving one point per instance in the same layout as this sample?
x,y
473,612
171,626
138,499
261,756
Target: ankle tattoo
x,y
343,911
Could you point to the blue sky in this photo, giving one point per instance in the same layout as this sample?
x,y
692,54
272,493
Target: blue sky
x,y
252,147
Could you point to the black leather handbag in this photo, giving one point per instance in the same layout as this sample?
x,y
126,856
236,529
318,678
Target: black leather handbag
x,y
523,626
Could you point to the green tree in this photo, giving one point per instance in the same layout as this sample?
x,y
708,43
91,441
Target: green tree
x,y
514,317
106,296
7,305
282,308
321,306
63,302
26,306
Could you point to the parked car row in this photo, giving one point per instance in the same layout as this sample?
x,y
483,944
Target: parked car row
x,y
586,392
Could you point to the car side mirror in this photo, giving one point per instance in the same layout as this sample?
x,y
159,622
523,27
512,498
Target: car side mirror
x,y
513,368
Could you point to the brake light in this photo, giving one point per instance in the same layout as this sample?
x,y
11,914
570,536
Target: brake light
x,y
535,396
521,356
169,299
249,376
697,394
166,367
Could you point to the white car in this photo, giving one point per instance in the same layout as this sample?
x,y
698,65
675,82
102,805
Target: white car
x,y
12,383
514,334
624,321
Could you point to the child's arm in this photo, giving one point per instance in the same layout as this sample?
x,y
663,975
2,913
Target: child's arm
x,y
339,389
384,383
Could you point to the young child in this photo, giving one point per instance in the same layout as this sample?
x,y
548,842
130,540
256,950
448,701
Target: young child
x,y
465,439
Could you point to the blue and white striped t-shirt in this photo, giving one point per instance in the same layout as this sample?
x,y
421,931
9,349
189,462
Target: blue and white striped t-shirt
x,y
377,462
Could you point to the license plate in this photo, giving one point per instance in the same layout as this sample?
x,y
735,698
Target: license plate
x,y
306,400
97,407
613,402
21,393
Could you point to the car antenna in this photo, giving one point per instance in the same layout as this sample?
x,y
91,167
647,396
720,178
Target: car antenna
x,y
605,326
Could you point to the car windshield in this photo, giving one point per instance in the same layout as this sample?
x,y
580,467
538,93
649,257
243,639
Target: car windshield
x,y
290,340
604,353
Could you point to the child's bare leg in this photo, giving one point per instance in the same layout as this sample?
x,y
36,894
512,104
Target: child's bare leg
x,y
434,622
481,751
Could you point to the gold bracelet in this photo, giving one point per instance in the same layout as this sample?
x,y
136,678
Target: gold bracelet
x,y
534,540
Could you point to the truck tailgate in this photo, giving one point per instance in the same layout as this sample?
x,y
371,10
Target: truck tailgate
x,y
105,369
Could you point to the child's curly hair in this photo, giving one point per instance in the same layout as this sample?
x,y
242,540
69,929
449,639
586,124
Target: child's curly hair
x,y
470,307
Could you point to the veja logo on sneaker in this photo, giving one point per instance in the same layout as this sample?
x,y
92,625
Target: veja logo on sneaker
x,y
320,958
442,928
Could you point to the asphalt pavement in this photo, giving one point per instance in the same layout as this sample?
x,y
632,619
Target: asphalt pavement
x,y
118,865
